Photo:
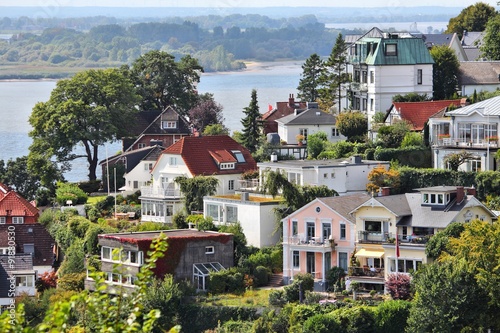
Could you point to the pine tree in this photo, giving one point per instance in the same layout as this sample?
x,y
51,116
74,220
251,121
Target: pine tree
x,y
334,75
310,81
252,124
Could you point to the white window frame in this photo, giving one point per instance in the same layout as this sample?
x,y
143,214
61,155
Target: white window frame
x,y
233,217
230,185
17,219
25,281
172,161
3,219
227,166
209,250
335,132
296,259
419,76
168,124
141,145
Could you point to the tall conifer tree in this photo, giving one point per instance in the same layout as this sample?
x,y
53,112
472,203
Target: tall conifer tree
x,y
252,124
310,81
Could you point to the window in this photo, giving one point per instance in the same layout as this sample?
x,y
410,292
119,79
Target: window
x,y
105,253
303,131
364,104
215,212
168,124
141,145
239,156
4,250
29,248
170,210
335,132
332,175
209,250
342,231
372,76
133,257
17,219
311,230
373,226
365,77
148,166
296,259
2,219
405,265
372,104
232,214
25,281
327,231
172,161
294,178
295,228
419,76
136,184
343,260
325,176
227,166
391,49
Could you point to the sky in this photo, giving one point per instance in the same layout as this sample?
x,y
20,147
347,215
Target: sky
x,y
243,3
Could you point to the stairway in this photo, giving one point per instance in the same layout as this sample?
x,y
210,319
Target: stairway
x,y
276,280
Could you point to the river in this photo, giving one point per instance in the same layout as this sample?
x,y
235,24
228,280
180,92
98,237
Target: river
x,y
273,82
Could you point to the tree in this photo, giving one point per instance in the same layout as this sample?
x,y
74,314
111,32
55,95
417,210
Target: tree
x,y
412,139
490,48
216,129
455,160
398,286
334,75
310,78
352,125
194,189
206,112
316,143
410,97
162,82
439,243
91,108
472,18
445,72
252,124
392,136
380,177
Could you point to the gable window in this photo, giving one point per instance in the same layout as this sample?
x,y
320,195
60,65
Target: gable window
x,y
227,166
342,231
17,219
419,76
172,161
232,214
239,156
29,248
166,124
209,250
2,219
391,49
141,145
335,132
296,259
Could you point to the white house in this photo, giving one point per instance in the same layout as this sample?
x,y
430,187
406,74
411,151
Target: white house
x,y
472,128
255,213
218,156
341,175
306,122
478,76
384,65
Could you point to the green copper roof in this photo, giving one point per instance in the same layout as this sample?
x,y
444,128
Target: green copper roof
x,y
408,51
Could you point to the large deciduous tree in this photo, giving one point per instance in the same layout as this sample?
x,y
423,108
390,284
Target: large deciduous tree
x,y
309,83
206,112
162,82
252,124
472,18
490,48
90,109
445,72
353,125
334,75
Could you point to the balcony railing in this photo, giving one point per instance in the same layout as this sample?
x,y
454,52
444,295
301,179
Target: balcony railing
x,y
365,236
311,241
168,191
366,271
249,184
461,142
358,86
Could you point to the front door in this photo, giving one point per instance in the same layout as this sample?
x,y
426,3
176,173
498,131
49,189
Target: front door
x,y
311,267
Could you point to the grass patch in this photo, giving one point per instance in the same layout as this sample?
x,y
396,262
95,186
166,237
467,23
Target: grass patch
x,y
94,200
250,298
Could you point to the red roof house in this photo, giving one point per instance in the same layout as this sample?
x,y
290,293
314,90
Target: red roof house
x,y
281,110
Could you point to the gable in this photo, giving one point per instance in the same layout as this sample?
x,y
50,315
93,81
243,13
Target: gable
x,y
418,113
14,205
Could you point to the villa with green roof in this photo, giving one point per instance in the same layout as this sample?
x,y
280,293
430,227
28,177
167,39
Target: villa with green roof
x,y
383,65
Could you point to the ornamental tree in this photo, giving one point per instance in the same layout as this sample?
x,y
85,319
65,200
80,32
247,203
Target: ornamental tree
x,y
89,109
353,125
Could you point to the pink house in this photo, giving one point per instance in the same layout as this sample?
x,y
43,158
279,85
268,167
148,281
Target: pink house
x,y
319,236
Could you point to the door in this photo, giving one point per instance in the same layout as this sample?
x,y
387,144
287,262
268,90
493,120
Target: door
x,y
311,264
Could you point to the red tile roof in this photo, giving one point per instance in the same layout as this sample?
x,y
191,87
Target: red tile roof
x,y
11,203
418,113
198,154
282,109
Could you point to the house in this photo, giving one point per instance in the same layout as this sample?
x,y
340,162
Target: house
x,y
383,65
281,110
341,175
472,128
18,277
319,236
254,212
412,218
477,76
471,43
417,114
309,121
191,255
217,156
450,40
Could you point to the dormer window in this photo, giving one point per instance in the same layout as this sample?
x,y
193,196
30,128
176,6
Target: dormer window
x,y
391,49
227,166
435,198
239,156
168,124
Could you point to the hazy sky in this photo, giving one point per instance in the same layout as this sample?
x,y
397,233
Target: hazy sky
x,y
243,3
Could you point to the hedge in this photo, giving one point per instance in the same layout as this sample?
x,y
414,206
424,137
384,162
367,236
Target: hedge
x,y
417,157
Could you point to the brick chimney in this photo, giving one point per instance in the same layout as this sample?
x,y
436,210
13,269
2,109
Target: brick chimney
x,y
471,191
460,194
291,101
385,191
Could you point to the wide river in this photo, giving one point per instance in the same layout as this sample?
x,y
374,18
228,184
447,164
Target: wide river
x,y
273,82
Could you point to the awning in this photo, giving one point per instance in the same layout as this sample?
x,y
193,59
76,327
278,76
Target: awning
x,y
369,253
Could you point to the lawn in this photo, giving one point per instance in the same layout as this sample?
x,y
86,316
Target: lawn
x,y
94,200
257,297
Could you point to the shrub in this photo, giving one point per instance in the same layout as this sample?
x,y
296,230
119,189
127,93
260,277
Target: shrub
x,y
417,157
68,191
277,298
398,286
261,275
321,323
179,221
391,316
359,319
72,281
46,281
90,186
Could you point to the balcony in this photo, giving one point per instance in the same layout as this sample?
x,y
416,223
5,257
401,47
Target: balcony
x,y
365,236
310,242
463,143
249,184
358,86
366,271
168,191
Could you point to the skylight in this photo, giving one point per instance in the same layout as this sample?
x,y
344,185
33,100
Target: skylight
x,y
239,156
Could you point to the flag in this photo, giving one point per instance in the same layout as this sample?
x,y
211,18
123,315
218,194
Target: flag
x,y
269,107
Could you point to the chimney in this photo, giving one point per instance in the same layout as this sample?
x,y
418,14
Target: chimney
x,y
385,191
291,101
471,191
463,102
460,194
356,159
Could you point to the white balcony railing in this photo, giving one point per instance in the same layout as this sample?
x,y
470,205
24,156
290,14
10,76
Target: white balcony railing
x,y
166,191
461,142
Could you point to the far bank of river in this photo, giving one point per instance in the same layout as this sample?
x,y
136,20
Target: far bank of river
x,y
273,81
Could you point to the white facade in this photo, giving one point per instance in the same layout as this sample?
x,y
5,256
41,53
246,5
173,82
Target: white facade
x,y
257,217
289,133
138,176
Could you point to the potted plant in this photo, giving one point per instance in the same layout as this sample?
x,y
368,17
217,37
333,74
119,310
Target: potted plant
x,y
332,242
300,139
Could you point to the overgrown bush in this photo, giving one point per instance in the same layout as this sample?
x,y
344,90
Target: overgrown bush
x,y
321,323
228,280
69,191
179,221
195,318
391,316
359,319
398,286
72,281
90,186
277,298
261,275
417,157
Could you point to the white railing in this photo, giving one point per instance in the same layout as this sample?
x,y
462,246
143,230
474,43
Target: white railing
x,y
160,192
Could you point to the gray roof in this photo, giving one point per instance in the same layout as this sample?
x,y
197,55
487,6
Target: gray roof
x,y
396,204
317,164
344,204
472,53
479,72
488,107
309,117
435,39
472,38
439,188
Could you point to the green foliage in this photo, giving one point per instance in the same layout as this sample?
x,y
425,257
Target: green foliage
x,y
321,323
310,78
302,282
201,223
252,124
353,125
195,318
316,144
179,221
334,278
194,189
261,276
215,129
392,136
379,117
412,139
72,281
225,281
239,240
206,116
490,48
69,191
356,319
445,72
90,186
471,18
74,259
410,97
391,316
455,160
439,243
76,108
417,157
